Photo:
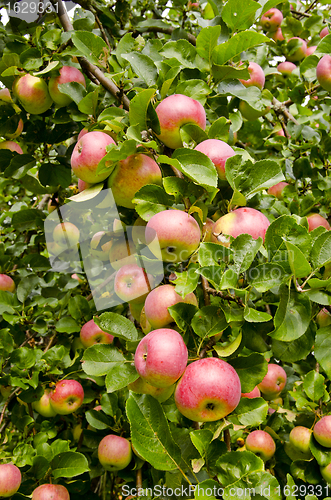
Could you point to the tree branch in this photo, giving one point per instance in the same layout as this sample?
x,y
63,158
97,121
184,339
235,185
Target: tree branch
x,y
280,108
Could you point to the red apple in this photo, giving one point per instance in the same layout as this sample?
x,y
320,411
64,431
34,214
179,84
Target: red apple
x,y
140,386
66,235
114,452
261,443
255,393
300,438
12,146
91,334
88,152
207,231
299,53
82,132
277,189
276,35
316,220
241,221
10,480
274,381
322,431
82,185
310,50
132,283
174,112
67,74
218,152
175,232
271,20
323,72
43,406
7,283
32,93
50,492
67,396
161,357
324,32
257,77
323,318
286,68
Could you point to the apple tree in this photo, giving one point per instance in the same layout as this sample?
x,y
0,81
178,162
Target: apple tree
x,y
165,263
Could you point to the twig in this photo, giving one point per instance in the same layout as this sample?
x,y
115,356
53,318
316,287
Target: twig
x,y
227,439
227,297
102,285
104,34
43,201
302,14
167,31
280,108
208,346
50,343
139,479
32,336
205,285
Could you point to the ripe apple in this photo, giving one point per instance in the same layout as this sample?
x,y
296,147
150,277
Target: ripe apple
x,y
250,113
255,393
316,220
174,112
88,152
66,235
323,72
274,381
323,318
310,50
67,396
161,357
322,431
51,492
82,185
324,32
32,93
276,35
218,152
158,301
114,452
12,146
240,221
257,77
175,232
326,473
122,252
208,390
261,443
132,174
10,480
271,20
132,283
140,386
67,74
7,283
43,406
300,438
207,231
91,334
286,68
300,52
277,189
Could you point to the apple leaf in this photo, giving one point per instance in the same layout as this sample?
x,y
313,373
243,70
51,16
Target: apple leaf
x,y
75,90
253,316
295,350
237,16
196,89
139,107
99,359
187,281
251,370
69,464
321,251
182,314
313,384
226,350
236,467
143,66
292,317
250,412
117,325
300,266
236,44
150,200
322,349
324,46
209,321
182,50
265,276
98,419
322,454
91,46
287,227
207,41
201,440
119,376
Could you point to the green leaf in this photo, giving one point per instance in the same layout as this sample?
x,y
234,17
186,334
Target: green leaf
x,y
251,370
26,286
97,419
79,307
100,358
321,251
138,109
117,325
182,314
251,412
187,281
182,50
238,15
253,316
298,262
226,350
235,45
235,467
324,46
201,440
67,325
143,66
119,376
69,464
150,200
244,249
322,454
196,89
321,349
54,175
124,46
292,317
285,227
209,321
91,46
294,350
221,72
207,41
89,103
28,219
219,129
23,358
313,384
76,91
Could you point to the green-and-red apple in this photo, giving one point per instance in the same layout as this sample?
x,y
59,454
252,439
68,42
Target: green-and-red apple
x,y
161,357
323,318
66,235
326,473
310,50
257,78
177,234
208,390
286,68
271,20
140,386
114,452
121,253
91,334
261,443
132,283
66,74
241,221
82,185
67,396
174,112
300,438
324,32
273,382
12,146
207,232
277,189
10,480
323,72
316,220
255,393
51,492
322,431
299,53
218,152
43,405
32,93
7,283
277,35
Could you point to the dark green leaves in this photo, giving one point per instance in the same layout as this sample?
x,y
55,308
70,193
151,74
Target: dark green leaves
x,y
91,46
322,349
69,464
238,43
100,358
117,325
292,317
251,370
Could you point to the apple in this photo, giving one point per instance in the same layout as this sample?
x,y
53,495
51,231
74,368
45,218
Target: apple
x,y
5,95
175,232
138,231
277,35
132,283
277,189
257,77
271,20
241,221
91,334
10,480
161,357
144,324
78,278
51,492
82,132
82,185
323,72
114,452
310,50
122,252
66,235
43,406
326,473
18,131
208,390
273,382
324,32
299,53
322,431
250,113
193,5
300,438
87,153
67,396
286,68
174,112
130,175
7,284
32,93
316,220
158,301
323,318
261,443
101,243
207,231
140,386
12,146
255,393
67,74
218,152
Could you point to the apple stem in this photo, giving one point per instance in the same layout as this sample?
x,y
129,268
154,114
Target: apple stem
x,y
139,479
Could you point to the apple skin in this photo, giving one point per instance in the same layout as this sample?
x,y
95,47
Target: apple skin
x,y
324,32
261,443
7,283
300,53
91,334
161,357
276,35
207,232
32,93
87,153
271,20
175,111
140,386
43,406
316,220
114,452
241,221
326,473
255,393
208,390
250,113
10,480
175,232
67,396
12,146
257,78
67,74
82,185
132,283
218,152
274,381
322,431
286,68
277,189
66,235
300,438
310,50
101,243
158,301
323,72
51,492
132,174
323,318
122,252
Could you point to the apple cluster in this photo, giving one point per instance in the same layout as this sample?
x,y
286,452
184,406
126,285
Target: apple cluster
x,y
66,397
